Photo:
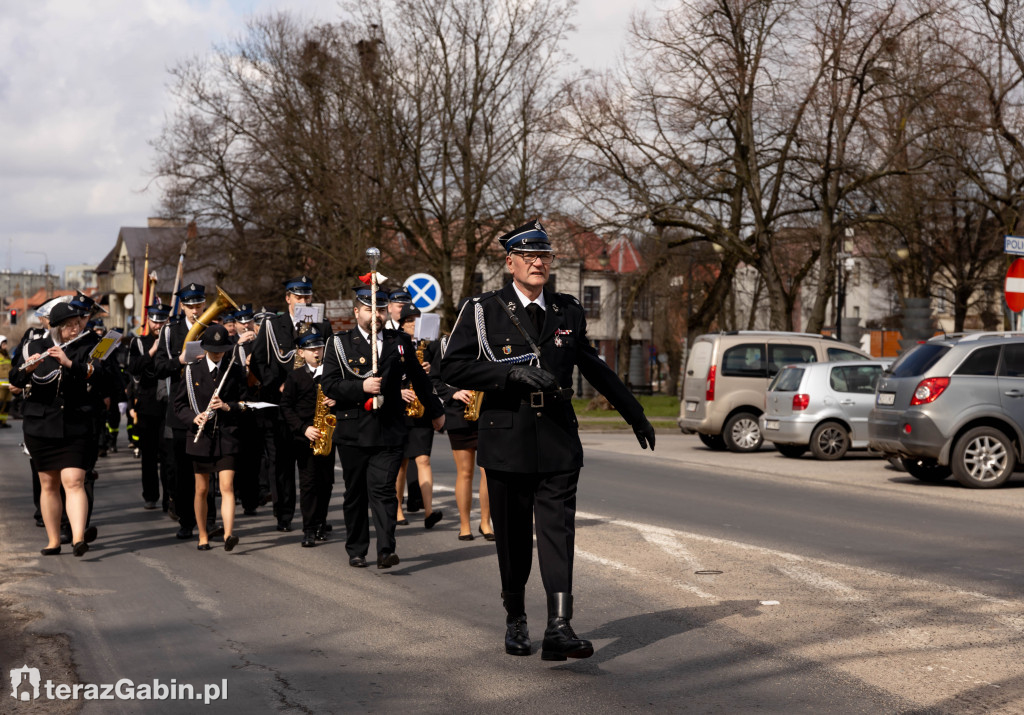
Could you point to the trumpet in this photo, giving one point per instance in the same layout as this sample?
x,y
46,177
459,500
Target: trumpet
x,y
415,408
218,306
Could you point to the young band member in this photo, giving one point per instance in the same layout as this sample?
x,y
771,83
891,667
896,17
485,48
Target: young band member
x,y
208,401
371,441
150,407
298,407
421,438
59,421
520,345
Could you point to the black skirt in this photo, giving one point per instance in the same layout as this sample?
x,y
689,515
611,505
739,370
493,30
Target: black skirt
x,y
51,454
463,438
224,463
420,441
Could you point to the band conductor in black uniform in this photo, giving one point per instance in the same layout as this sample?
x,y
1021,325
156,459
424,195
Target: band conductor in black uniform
x,y
520,345
371,441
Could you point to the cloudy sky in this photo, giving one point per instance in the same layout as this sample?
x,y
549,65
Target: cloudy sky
x,y
83,91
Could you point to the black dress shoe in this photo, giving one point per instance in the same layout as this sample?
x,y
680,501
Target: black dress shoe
x,y
90,534
284,526
50,551
230,542
435,516
203,547
184,533
358,562
321,533
402,522
560,641
387,559
489,535
465,537
308,539
80,548
517,635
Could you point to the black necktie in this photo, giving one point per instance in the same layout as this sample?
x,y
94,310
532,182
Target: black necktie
x,y
537,315
215,373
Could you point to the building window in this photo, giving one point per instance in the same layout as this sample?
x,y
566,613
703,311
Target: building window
x,y
592,301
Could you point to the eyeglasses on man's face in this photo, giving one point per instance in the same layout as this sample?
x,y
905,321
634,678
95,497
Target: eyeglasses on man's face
x,y
531,258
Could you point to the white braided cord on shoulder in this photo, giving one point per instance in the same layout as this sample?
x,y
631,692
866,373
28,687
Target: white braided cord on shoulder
x,y
481,336
272,340
343,361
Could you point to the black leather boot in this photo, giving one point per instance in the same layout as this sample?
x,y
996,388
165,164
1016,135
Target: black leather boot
x,y
560,642
517,635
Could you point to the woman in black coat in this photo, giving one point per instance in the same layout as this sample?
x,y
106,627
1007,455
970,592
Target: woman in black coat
x,y
218,444
59,421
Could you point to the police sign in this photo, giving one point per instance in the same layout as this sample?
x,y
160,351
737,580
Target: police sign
x,y
1013,244
425,291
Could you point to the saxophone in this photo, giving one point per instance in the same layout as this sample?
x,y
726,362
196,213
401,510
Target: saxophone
x,y
472,413
415,408
324,421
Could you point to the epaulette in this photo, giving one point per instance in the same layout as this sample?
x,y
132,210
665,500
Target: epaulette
x,y
484,296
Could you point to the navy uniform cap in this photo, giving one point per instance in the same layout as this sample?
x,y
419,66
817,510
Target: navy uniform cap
x,y
364,293
216,339
303,285
312,339
192,294
400,296
244,313
528,237
158,312
227,317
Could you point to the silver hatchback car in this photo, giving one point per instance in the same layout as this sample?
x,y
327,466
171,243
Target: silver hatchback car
x,y
821,406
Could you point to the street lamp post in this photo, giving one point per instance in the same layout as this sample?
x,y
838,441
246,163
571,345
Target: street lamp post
x,y
46,272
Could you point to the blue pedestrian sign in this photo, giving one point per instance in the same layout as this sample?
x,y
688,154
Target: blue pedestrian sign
x,y
425,291
1014,245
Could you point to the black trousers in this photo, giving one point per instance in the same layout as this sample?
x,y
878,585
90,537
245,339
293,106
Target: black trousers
x,y
517,501
185,485
316,482
370,474
281,454
248,462
151,444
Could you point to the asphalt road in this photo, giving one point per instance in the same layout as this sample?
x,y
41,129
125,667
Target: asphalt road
x,y
837,588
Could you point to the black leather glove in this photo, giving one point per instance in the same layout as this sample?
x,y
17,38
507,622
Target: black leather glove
x,y
644,433
533,378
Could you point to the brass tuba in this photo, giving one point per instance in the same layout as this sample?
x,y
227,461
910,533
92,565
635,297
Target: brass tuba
x,y
472,412
324,421
215,308
415,408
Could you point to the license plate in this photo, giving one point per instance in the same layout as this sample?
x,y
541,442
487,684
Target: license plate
x,y
771,424
886,398
691,406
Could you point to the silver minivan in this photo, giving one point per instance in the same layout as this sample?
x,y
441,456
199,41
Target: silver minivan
x,y
727,374
823,407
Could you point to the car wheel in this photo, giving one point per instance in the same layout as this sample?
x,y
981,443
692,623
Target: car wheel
x,y
713,442
830,440
741,433
983,458
926,470
791,450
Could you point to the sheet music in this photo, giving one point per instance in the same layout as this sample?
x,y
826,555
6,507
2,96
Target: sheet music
x,y
428,326
106,345
309,313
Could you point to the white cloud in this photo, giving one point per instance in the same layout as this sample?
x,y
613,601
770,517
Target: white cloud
x,y
83,90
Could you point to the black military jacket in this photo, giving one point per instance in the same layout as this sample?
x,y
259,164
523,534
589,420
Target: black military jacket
x,y
275,339
386,426
166,365
220,434
60,401
149,391
513,436
298,402
454,410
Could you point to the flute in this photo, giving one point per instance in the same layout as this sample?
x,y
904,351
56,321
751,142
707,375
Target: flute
x,y
208,411
43,356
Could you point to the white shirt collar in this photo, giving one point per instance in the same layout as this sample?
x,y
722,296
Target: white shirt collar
x,y
366,335
318,371
526,301
210,364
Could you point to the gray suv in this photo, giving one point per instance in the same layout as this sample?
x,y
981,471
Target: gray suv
x,y
954,404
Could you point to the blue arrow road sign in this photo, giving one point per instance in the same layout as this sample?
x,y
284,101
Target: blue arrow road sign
x,y
425,291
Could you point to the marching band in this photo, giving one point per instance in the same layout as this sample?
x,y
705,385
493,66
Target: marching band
x,y
233,402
